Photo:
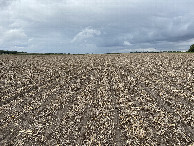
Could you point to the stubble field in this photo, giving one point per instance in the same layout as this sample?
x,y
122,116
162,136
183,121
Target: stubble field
x,y
124,99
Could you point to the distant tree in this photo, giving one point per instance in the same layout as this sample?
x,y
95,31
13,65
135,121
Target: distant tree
x,y
191,48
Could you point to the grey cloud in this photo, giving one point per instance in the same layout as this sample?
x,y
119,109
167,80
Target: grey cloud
x,y
96,26
5,3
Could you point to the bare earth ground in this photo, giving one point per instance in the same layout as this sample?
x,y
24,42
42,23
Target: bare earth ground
x,y
126,99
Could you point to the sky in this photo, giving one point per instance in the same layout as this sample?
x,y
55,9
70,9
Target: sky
x,y
96,26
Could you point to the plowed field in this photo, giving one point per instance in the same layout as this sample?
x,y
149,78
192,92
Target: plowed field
x,y
124,99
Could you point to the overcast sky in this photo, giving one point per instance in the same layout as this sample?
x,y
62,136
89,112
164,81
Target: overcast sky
x,y
96,26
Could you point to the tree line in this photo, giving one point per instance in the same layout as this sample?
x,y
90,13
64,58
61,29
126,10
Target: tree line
x,y
11,52
191,49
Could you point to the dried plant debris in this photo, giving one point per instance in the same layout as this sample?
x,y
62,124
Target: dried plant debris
x,y
123,99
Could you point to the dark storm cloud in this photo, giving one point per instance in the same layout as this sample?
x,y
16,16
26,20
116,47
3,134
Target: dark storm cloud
x,y
98,26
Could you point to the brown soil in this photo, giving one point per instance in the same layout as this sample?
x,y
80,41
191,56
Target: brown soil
x,y
123,99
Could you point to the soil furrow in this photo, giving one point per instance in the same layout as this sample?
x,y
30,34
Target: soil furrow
x,y
28,90
162,104
83,124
